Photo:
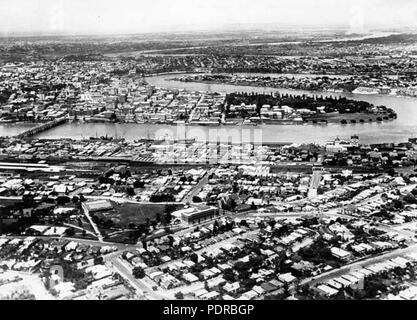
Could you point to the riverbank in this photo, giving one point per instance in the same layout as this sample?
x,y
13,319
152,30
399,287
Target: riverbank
x,y
299,84
369,133
404,127
321,119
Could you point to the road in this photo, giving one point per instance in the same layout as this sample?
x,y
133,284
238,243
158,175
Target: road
x,y
356,265
314,183
115,261
284,215
79,228
190,118
93,224
125,200
214,246
203,181
120,246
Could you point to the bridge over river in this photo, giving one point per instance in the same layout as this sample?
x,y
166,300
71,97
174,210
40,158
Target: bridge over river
x,y
42,127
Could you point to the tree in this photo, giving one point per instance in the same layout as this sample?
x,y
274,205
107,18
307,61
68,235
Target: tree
x,y
154,224
194,257
197,199
103,179
130,191
62,200
373,286
170,241
113,117
70,232
397,204
286,289
231,204
210,262
162,197
168,210
138,272
179,295
138,184
80,284
409,198
243,223
98,260
248,283
28,200
229,275
144,244
168,218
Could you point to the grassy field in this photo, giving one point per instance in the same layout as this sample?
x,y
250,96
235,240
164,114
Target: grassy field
x,y
138,213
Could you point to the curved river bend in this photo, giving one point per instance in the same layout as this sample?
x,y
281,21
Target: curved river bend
x,y
399,130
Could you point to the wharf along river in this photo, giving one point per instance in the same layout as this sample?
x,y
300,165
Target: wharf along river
x,y
398,130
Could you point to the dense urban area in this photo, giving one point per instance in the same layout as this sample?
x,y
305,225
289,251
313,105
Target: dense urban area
x,y
111,218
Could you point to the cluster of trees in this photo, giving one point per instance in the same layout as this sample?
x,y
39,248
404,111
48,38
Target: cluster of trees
x,y
106,177
31,212
138,272
128,188
4,96
318,252
331,104
179,295
71,273
229,204
360,234
395,205
162,197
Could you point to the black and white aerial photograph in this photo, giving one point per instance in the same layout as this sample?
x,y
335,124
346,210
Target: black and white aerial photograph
x,y
225,151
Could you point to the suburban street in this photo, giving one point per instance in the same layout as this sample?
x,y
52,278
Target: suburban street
x,y
356,265
197,188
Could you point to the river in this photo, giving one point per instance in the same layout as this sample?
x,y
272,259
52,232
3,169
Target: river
x,y
11,129
171,51
399,130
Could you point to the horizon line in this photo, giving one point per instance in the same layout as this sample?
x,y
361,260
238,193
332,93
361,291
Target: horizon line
x,y
189,29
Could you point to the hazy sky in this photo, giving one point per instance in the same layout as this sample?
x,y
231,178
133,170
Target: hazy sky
x,y
136,16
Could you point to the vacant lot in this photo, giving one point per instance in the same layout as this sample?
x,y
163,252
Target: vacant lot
x,y
137,213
